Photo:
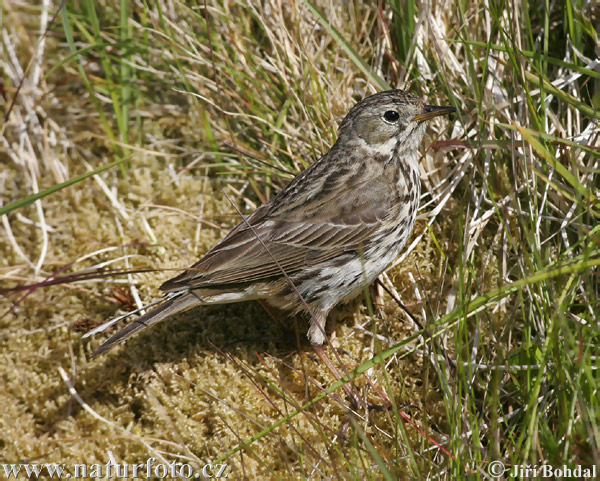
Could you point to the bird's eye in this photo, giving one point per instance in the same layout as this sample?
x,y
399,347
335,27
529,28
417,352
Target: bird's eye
x,y
391,116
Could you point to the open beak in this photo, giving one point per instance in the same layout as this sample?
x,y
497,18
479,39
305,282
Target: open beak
x,y
432,111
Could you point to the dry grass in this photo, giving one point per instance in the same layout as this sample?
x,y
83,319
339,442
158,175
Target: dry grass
x,y
502,268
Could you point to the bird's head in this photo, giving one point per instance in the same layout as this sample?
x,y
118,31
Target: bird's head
x,y
389,120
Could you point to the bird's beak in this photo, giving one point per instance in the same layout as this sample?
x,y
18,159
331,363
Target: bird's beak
x,y
431,111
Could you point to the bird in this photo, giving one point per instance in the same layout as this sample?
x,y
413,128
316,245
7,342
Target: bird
x,y
325,236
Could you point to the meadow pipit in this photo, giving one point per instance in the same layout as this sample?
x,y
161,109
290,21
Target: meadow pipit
x,y
332,230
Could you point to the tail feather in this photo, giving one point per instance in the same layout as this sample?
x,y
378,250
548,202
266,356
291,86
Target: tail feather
x,y
172,306
103,327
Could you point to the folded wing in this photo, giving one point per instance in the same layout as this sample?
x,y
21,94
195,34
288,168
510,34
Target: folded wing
x,y
321,224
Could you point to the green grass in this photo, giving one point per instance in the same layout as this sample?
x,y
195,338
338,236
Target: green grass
x,y
143,112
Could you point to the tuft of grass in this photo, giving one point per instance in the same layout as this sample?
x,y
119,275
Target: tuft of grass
x,y
499,358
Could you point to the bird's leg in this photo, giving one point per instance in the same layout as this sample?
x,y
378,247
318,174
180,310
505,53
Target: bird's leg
x,y
318,338
318,331
352,394
288,333
376,292
272,313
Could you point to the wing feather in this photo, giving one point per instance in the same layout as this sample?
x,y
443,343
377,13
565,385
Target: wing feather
x,y
334,220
